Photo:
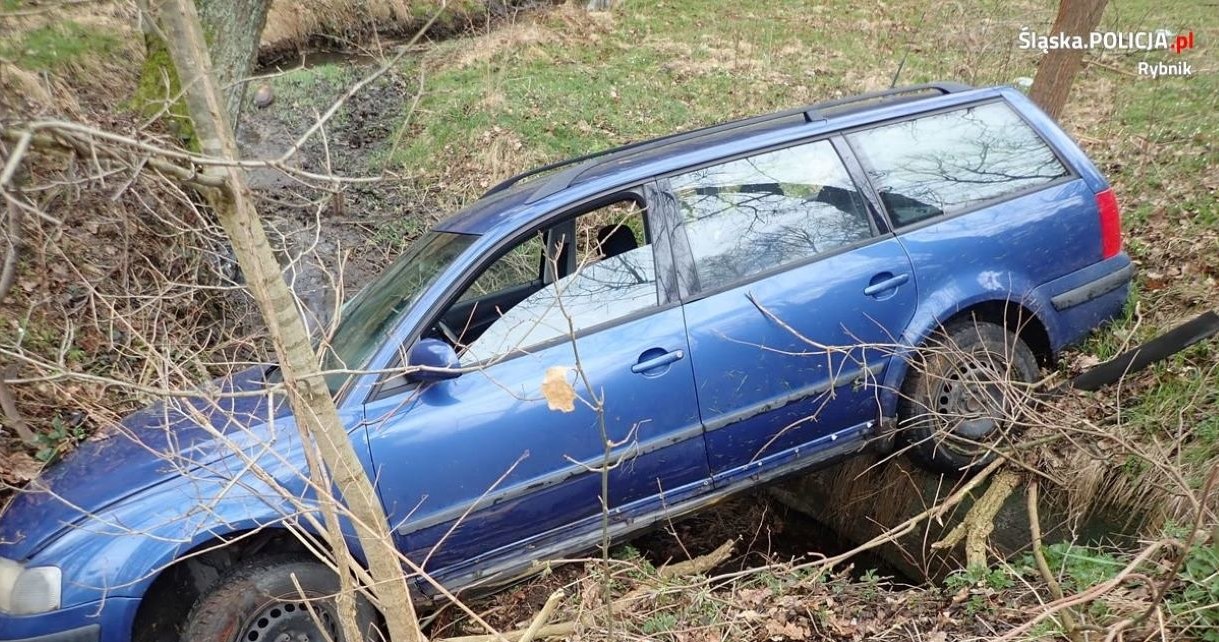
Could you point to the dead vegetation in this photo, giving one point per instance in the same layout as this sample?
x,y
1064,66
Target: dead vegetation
x,y
294,28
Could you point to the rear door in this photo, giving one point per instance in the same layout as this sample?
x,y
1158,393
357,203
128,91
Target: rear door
x,y
979,185
794,294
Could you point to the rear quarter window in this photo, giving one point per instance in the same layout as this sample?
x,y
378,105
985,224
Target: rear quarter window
x,y
949,162
754,214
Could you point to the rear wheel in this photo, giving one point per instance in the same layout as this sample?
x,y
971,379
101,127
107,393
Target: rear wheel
x,y
962,397
262,601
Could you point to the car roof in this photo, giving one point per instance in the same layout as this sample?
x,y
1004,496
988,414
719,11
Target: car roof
x,y
501,203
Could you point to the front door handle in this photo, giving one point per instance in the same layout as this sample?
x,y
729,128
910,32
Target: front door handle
x,y
885,283
647,362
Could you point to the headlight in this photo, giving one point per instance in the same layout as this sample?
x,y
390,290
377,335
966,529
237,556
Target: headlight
x,y
25,591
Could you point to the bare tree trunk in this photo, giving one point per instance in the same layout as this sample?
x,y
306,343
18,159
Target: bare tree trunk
x,y
1057,69
307,393
231,29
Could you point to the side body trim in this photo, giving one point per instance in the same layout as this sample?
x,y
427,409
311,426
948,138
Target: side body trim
x,y
1093,289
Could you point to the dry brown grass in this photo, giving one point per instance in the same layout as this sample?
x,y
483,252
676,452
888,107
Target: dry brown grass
x,y
355,24
103,77
521,38
292,24
23,91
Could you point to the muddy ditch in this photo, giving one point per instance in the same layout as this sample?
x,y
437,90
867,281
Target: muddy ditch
x,y
347,232
340,30
352,229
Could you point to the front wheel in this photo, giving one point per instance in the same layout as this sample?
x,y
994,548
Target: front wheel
x,y
964,396
286,599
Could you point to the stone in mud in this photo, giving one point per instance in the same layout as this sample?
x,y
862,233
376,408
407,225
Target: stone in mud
x,y
264,96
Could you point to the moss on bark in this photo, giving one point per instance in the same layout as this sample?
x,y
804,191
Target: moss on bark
x,y
232,29
159,90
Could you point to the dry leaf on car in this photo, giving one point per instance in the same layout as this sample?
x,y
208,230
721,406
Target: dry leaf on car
x,y
557,390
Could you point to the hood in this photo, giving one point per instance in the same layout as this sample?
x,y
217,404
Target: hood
x,y
150,446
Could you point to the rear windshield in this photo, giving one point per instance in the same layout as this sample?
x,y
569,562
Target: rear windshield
x,y
948,162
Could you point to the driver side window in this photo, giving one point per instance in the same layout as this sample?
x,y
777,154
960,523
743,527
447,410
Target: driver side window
x,y
578,274
520,267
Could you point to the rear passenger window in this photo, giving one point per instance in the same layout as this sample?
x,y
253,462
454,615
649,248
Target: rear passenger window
x,y
948,162
753,214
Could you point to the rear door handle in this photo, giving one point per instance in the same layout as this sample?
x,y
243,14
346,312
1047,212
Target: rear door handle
x,y
657,362
886,284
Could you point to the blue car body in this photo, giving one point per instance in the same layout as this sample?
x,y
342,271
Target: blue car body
x,y
710,391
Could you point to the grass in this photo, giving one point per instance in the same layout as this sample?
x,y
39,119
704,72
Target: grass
x,y
568,83
298,89
55,46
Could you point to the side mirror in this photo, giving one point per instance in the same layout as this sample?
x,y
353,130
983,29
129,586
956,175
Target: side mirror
x,y
436,360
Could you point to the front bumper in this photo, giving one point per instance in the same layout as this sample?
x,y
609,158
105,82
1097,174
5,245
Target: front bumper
x,y
91,633
106,621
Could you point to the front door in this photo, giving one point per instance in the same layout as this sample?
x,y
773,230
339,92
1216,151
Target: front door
x,y
483,462
794,302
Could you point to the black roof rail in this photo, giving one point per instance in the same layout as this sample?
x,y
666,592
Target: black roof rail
x,y
669,138
944,88
811,113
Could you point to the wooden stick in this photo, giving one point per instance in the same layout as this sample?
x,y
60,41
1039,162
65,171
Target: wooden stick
x,y
1069,625
551,603
10,408
698,565
979,522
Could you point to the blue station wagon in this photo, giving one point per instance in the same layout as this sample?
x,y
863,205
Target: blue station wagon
x,y
746,301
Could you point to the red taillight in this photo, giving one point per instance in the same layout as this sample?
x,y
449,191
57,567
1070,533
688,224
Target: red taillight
x,y
1110,224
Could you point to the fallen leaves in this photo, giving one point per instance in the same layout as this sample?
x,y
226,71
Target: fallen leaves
x,y
18,468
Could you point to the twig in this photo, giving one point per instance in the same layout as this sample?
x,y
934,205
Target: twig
x,y
10,167
1053,608
1069,624
10,408
8,273
70,143
552,631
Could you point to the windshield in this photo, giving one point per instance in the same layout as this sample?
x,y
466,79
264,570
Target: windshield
x,y
365,319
